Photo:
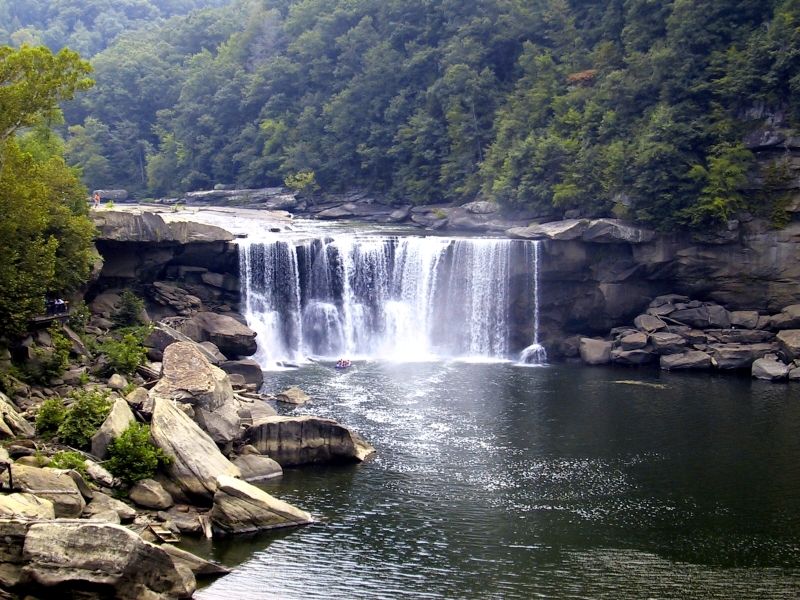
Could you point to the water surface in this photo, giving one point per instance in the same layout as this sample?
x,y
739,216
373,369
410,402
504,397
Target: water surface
x,y
498,481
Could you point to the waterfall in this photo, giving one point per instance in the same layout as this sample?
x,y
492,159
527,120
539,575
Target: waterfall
x,y
399,298
535,354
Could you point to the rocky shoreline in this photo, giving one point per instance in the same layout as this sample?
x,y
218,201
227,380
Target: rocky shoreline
x,y
81,531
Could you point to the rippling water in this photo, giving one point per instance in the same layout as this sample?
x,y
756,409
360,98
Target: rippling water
x,y
496,481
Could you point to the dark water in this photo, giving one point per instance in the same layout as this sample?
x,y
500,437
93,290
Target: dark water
x,y
497,481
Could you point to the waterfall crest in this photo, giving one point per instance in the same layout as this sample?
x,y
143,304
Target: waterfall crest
x,y
398,298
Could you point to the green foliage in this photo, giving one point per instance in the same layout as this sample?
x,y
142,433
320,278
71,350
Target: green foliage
x,y
50,362
47,237
130,310
83,417
79,316
304,181
50,416
69,460
125,352
133,456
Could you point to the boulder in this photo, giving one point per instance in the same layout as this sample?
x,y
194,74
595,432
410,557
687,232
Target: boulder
x,y
667,343
615,231
199,566
740,336
693,359
247,368
12,534
26,505
117,421
481,207
163,335
770,369
633,341
148,493
229,335
738,356
13,424
255,467
117,382
632,358
703,317
569,229
56,486
196,460
122,226
240,507
746,319
595,352
292,395
105,559
649,323
789,342
102,503
306,440
188,377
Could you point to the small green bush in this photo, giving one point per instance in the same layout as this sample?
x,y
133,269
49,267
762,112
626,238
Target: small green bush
x,y
68,460
50,416
126,352
134,456
49,362
79,316
130,310
87,413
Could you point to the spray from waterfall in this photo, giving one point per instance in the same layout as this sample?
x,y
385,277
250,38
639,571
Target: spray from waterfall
x,y
535,354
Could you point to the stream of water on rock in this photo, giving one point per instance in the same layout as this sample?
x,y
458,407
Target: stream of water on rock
x,y
493,479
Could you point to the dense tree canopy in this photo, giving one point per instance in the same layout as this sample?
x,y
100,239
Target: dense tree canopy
x,y
46,237
630,107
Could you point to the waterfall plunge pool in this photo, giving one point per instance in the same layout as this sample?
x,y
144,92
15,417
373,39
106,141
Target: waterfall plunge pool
x,y
494,481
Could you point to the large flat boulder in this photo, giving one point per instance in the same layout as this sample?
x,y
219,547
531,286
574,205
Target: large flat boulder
x,y
693,359
738,356
568,229
249,369
306,440
616,231
667,343
117,421
196,459
188,377
240,507
770,369
229,335
107,559
126,226
56,486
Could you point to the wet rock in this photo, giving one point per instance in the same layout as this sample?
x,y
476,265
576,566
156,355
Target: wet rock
x,y
306,440
693,359
293,395
240,507
595,352
770,369
255,467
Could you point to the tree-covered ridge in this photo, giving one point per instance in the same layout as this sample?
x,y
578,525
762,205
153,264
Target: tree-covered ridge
x,y
46,236
87,26
629,107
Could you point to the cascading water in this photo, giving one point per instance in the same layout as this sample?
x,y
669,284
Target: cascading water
x,y
401,298
535,354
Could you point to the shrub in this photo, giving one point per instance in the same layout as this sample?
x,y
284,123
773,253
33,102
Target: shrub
x,y
50,416
68,460
130,310
134,456
87,413
126,352
49,362
79,316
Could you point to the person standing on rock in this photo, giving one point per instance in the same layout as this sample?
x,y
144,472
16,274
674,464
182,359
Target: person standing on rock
x,y
96,199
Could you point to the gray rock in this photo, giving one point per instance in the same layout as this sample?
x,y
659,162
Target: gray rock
x,y
102,503
481,207
738,356
199,566
667,343
739,336
26,505
632,358
703,317
292,395
249,369
13,424
100,475
229,335
148,493
56,486
306,440
255,467
747,319
117,382
614,231
595,352
693,359
569,229
240,507
633,341
789,342
770,369
196,460
121,226
117,421
106,559
649,323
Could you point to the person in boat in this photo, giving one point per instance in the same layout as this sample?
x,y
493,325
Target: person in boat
x,y
342,363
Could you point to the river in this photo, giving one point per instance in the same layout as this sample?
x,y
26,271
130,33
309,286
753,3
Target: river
x,y
493,480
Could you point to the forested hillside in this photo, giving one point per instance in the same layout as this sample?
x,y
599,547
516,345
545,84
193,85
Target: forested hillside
x,y
630,107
